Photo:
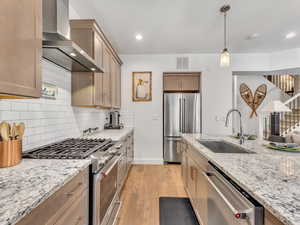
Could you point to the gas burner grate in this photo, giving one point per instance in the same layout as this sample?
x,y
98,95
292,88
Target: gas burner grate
x,y
73,148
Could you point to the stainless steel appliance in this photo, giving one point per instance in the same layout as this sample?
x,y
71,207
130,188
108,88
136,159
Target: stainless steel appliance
x,y
57,48
229,204
106,193
113,120
182,114
105,156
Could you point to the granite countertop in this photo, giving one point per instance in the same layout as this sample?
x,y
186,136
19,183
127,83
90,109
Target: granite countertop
x,y
25,186
114,134
271,177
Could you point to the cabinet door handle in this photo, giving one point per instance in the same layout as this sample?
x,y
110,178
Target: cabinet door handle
x,y
119,146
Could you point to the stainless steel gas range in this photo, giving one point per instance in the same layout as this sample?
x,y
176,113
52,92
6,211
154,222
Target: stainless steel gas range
x,y
104,172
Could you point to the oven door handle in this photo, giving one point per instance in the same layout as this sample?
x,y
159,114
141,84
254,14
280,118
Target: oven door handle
x,y
236,213
106,170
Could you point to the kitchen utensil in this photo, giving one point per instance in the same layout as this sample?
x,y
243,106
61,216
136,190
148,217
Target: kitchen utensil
x,y
5,131
21,130
13,132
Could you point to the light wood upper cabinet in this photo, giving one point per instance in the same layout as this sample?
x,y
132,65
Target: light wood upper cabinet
x,y
83,90
118,86
21,48
113,76
172,83
190,82
182,82
107,78
115,84
97,89
98,50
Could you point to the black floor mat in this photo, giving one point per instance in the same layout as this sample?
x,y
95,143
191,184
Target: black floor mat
x,y
176,211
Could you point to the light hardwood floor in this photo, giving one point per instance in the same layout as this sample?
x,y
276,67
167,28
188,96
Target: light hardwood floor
x,y
144,186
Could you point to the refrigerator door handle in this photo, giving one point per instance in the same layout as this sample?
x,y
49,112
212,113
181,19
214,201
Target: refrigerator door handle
x,y
173,138
180,117
184,116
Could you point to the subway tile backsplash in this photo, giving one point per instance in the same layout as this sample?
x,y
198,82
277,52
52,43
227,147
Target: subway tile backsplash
x,y
48,120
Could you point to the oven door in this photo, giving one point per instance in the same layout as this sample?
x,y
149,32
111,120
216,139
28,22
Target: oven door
x,y
225,205
105,191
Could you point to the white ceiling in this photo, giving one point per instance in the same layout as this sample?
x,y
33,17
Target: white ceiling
x,y
194,26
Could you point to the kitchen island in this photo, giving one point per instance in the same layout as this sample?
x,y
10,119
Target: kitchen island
x,y
271,177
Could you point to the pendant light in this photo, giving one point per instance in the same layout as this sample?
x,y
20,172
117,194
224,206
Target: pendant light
x,y
225,56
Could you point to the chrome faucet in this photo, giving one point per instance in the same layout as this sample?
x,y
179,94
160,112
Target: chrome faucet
x,y
242,138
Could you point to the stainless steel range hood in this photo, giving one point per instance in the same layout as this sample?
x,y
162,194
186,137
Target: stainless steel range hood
x,y
57,47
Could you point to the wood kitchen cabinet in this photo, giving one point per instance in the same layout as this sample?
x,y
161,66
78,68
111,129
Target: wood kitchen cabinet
x,y
192,179
189,82
270,219
21,48
172,83
115,84
106,88
193,168
69,205
201,195
96,89
184,167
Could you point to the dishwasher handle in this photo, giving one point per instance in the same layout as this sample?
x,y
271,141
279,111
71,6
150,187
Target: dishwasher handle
x,y
236,213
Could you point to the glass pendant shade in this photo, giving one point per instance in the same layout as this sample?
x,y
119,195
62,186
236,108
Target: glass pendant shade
x,y
225,58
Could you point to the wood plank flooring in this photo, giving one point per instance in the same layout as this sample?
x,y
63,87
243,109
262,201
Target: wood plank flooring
x,y
144,186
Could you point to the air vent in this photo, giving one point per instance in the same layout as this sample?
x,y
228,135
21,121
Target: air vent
x,y
183,63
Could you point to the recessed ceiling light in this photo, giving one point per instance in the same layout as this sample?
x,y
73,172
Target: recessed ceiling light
x,y
73,54
290,35
138,37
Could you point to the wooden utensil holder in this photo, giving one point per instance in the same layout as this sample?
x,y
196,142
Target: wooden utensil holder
x,y
10,153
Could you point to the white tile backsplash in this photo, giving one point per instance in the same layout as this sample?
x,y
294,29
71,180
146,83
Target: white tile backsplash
x,y
48,120
127,118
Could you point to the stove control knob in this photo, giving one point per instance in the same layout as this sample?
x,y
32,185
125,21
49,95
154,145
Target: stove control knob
x,y
119,146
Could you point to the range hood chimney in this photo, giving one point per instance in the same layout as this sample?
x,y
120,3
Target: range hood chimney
x,y
57,47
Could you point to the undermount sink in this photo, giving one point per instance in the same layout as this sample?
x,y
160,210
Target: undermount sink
x,y
223,147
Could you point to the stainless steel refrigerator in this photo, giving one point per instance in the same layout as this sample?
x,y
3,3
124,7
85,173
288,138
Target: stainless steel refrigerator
x,y
182,114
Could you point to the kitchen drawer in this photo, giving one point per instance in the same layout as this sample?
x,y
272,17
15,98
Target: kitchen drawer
x,y
56,204
76,213
197,156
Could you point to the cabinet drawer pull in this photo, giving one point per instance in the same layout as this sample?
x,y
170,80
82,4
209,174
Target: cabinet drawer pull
x,y
71,193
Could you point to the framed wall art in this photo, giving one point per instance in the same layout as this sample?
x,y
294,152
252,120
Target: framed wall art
x,y
142,86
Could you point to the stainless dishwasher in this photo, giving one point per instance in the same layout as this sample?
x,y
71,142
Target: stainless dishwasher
x,y
229,204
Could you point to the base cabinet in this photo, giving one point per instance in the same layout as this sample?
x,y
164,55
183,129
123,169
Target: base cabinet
x,y
201,196
69,205
184,168
127,151
193,169
271,220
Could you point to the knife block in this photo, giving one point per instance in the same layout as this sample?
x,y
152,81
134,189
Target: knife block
x,y
10,153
